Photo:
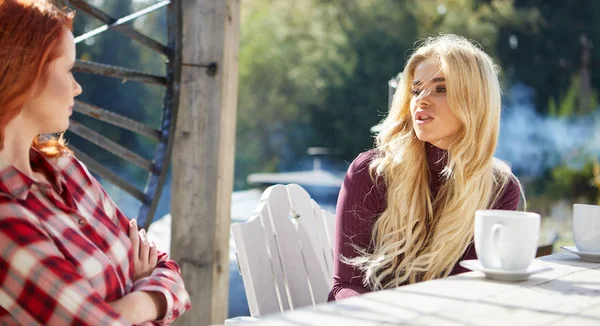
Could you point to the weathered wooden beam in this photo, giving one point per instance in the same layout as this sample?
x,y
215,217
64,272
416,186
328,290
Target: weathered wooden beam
x,y
203,155
116,120
111,146
119,25
118,72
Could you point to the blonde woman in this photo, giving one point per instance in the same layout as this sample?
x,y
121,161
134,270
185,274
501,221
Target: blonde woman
x,y
406,209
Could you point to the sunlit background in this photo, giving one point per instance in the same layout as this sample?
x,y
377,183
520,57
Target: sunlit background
x,y
314,73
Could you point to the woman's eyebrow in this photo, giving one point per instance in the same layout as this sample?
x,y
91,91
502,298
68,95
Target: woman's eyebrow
x,y
434,80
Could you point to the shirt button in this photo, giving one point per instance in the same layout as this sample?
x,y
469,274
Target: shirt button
x,y
81,222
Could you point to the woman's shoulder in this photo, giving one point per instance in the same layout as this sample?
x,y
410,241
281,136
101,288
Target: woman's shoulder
x,y
362,162
360,176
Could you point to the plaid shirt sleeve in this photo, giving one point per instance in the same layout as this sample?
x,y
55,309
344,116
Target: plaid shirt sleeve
x,y
37,284
166,277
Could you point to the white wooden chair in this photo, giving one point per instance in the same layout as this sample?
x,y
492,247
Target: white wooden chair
x,y
285,251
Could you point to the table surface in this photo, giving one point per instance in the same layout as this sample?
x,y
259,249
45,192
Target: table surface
x,y
568,294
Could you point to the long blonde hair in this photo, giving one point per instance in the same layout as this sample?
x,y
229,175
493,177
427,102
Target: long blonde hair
x,y
411,240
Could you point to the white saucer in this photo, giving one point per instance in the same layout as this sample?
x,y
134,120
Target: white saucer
x,y
587,256
501,275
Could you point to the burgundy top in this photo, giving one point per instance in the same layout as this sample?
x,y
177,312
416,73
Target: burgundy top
x,y
361,201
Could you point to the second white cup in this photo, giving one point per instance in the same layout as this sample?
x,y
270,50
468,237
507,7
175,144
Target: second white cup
x,y
586,227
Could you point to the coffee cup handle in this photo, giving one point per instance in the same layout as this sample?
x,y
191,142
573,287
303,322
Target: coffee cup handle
x,y
496,229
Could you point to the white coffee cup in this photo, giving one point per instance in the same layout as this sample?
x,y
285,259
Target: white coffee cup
x,y
506,240
586,227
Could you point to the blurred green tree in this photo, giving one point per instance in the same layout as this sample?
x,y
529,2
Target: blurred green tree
x,y
548,55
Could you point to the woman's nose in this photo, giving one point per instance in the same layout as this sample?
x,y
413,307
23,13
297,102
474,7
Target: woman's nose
x,y
77,88
424,98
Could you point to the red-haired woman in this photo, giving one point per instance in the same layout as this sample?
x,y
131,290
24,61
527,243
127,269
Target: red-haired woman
x,y
67,254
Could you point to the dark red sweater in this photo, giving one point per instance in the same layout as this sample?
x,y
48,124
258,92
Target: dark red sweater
x,y
361,201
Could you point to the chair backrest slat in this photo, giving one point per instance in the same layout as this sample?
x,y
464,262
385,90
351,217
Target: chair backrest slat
x,y
256,266
326,248
330,229
288,245
273,252
310,235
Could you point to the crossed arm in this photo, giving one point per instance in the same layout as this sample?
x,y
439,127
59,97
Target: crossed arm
x,y
38,285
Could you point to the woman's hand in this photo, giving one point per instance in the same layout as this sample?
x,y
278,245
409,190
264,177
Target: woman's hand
x,y
145,256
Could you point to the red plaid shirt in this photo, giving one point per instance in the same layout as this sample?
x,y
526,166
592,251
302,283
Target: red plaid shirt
x,y
65,251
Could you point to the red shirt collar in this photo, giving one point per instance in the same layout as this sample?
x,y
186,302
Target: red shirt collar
x,y
15,184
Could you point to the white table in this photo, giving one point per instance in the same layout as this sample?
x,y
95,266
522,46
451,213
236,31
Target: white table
x,y
569,294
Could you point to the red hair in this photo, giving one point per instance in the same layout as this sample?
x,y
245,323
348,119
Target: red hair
x,y
30,36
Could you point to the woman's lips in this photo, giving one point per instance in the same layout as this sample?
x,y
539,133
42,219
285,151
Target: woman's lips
x,y
422,122
423,118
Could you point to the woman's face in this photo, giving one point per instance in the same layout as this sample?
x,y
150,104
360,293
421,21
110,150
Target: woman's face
x,y
48,111
433,121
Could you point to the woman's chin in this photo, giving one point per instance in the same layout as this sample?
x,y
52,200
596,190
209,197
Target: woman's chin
x,y
425,138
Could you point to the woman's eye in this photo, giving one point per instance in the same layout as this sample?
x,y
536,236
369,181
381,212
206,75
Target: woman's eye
x,y
441,89
415,92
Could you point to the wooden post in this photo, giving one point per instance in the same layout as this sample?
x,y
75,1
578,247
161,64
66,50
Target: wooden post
x,y
203,155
